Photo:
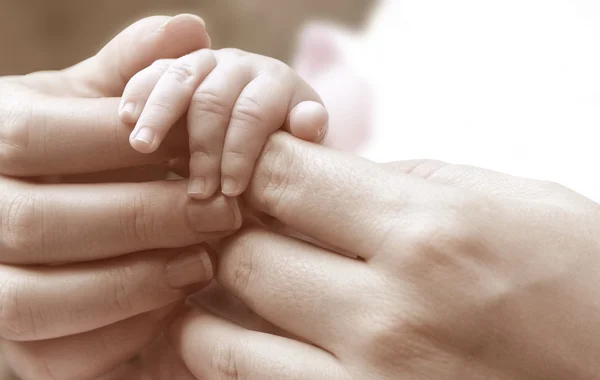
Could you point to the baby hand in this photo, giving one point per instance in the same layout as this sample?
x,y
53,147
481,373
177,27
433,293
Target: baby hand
x,y
234,101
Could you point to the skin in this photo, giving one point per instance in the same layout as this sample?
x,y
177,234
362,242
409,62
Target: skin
x,y
448,272
232,101
95,262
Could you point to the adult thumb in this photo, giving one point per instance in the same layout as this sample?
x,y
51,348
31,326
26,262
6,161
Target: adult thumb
x,y
138,46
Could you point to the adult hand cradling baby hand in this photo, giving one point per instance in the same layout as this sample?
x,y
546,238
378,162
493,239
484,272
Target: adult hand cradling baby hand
x,y
463,273
447,272
93,268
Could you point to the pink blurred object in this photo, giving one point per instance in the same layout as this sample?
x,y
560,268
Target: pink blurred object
x,y
322,60
511,85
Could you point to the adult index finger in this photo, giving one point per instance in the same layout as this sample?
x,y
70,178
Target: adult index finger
x,y
336,198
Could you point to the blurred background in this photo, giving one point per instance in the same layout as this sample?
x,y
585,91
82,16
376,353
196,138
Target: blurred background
x,y
53,34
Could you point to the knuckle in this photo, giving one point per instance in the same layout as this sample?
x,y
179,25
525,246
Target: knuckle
x,y
235,52
205,160
158,106
279,69
207,102
15,126
243,274
137,222
199,153
235,157
205,56
226,361
247,114
17,320
121,297
22,228
445,232
182,71
274,177
162,64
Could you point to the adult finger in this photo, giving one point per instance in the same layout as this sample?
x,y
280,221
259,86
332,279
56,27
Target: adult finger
x,y
266,270
333,196
89,355
144,42
215,348
44,302
60,136
96,221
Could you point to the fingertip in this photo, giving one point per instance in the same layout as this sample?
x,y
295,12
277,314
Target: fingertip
x,y
230,187
128,112
197,189
309,121
144,140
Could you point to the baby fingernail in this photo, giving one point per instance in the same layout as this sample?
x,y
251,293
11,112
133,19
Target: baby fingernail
x,y
189,268
229,187
128,110
145,136
197,186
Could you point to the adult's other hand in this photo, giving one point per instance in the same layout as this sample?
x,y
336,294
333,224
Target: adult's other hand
x,y
90,270
448,272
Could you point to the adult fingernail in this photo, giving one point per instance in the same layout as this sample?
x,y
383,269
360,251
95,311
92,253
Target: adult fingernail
x,y
217,214
196,187
229,187
145,137
189,268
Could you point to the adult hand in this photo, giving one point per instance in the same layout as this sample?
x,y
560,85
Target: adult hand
x,y
90,273
448,272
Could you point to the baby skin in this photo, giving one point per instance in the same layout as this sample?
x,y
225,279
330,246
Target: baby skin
x,y
232,100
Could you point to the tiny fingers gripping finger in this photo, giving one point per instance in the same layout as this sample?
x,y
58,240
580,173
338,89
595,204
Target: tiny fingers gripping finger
x,y
170,99
208,116
260,110
276,98
138,90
